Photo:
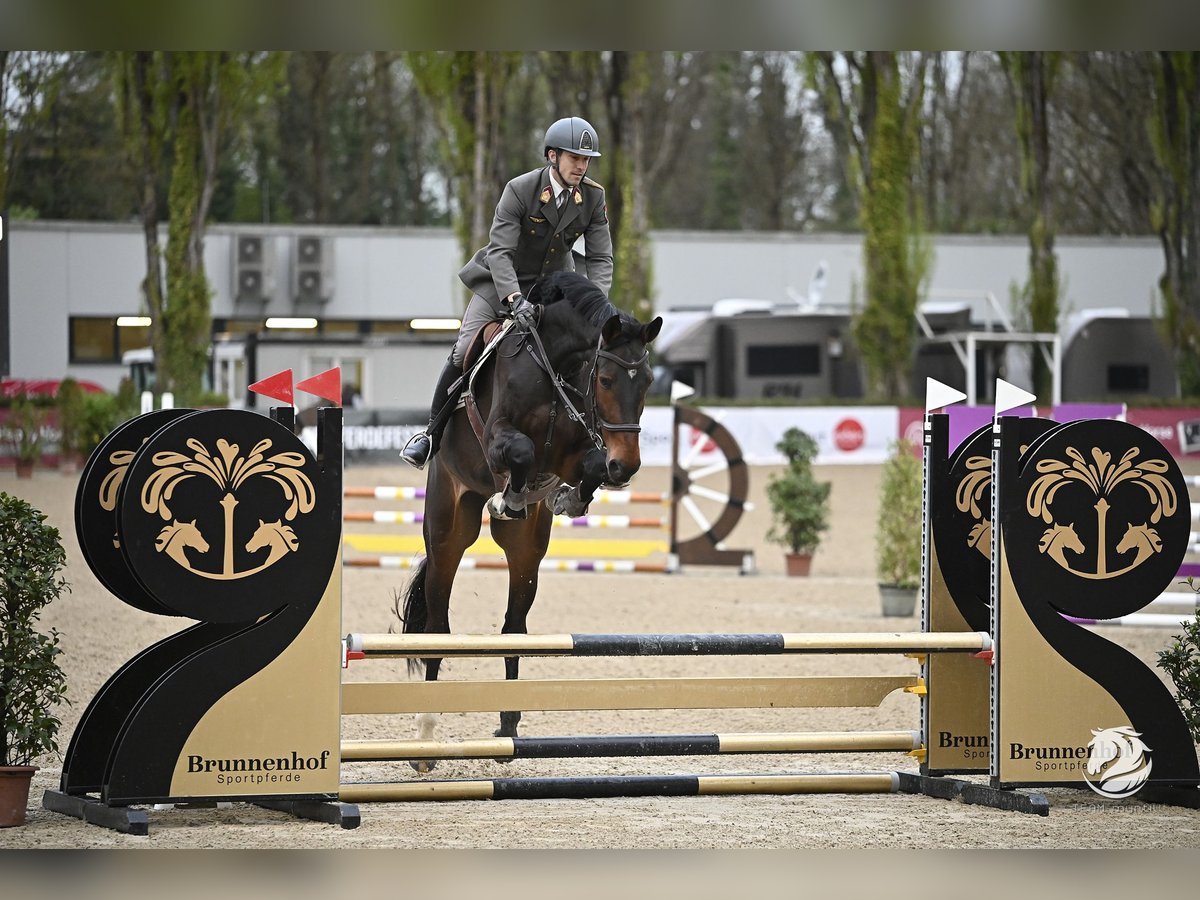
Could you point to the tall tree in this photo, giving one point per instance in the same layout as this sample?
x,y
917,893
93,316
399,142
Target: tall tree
x,y
878,109
1175,213
1031,75
467,90
176,109
29,81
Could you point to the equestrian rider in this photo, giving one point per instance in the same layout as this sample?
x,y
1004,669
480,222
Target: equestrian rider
x,y
540,216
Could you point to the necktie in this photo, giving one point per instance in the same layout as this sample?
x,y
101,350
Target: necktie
x,y
562,200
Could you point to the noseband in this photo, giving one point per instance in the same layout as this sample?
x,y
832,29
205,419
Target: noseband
x,y
631,365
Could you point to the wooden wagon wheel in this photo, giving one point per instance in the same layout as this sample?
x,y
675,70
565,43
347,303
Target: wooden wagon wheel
x,y
713,509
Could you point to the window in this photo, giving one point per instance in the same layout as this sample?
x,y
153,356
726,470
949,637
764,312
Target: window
x,y
1126,378
766,360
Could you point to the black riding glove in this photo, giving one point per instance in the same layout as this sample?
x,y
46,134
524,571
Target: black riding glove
x,y
524,312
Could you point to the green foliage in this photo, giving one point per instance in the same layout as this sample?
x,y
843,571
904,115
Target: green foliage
x,y
864,93
24,429
633,273
898,530
1174,127
102,413
31,682
70,415
799,502
1182,662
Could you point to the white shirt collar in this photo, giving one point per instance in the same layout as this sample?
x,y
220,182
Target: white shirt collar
x,y
557,188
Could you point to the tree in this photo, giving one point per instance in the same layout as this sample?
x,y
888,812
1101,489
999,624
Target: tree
x,y
878,116
63,151
176,111
467,90
1031,76
1175,213
27,83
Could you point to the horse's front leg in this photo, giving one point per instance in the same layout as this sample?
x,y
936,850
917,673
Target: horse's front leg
x,y
574,500
510,452
524,544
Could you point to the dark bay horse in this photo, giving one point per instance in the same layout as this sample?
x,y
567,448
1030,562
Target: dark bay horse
x,y
556,414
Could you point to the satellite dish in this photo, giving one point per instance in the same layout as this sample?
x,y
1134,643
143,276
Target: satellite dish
x,y
816,285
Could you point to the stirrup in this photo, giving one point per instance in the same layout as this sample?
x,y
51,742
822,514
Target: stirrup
x,y
412,453
498,509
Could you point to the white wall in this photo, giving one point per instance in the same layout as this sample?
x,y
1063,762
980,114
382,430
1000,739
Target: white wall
x,y
60,269
698,268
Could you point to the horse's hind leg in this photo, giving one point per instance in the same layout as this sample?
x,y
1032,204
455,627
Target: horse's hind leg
x,y
452,523
524,544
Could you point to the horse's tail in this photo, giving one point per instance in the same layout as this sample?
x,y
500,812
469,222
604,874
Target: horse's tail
x,y
412,609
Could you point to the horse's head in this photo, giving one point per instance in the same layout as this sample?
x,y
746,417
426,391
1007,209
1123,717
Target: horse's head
x,y
620,380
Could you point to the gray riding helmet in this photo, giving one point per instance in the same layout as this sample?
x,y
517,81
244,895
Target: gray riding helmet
x,y
573,134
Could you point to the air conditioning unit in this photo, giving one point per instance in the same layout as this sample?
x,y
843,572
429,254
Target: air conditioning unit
x,y
312,269
253,268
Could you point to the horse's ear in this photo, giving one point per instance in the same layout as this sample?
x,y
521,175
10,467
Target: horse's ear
x,y
650,330
611,330
261,523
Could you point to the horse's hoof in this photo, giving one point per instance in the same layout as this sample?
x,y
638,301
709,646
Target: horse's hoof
x,y
565,502
424,766
498,509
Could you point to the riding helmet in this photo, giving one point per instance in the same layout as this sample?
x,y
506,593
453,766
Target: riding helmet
x,y
573,134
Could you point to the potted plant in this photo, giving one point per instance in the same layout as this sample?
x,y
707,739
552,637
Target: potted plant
x,y
799,503
25,422
70,403
898,531
31,682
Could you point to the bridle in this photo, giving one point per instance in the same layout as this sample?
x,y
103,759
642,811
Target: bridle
x,y
594,375
588,395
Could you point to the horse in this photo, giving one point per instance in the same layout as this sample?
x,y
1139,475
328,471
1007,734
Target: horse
x,y
551,414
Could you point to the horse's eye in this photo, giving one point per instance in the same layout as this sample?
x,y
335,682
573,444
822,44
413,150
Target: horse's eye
x,y
606,382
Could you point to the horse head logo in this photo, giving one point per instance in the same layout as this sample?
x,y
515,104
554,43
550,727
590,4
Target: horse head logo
x,y
1057,540
1118,762
176,538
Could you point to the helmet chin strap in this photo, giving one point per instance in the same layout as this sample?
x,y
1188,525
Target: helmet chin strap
x,y
562,179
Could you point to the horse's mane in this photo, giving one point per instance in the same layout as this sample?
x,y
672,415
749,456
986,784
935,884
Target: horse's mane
x,y
574,311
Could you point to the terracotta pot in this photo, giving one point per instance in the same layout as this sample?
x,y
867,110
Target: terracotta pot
x,y
14,794
798,563
24,468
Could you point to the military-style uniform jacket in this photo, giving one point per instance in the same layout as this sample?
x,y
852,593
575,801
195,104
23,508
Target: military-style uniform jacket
x,y
528,238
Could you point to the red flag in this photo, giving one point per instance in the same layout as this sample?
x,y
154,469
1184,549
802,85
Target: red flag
x,y
327,384
277,386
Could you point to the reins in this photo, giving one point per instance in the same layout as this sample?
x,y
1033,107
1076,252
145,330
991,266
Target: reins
x,y
561,385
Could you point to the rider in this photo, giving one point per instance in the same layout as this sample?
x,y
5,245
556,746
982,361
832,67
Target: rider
x,y
540,216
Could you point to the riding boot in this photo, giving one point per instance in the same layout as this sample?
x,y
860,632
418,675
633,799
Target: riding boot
x,y
423,444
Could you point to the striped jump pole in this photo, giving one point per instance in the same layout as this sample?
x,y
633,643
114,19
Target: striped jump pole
x,y
1175,601
418,646
411,517
621,786
1140,620
391,492
609,566
632,745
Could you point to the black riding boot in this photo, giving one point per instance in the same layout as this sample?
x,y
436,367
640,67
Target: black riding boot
x,y
423,444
